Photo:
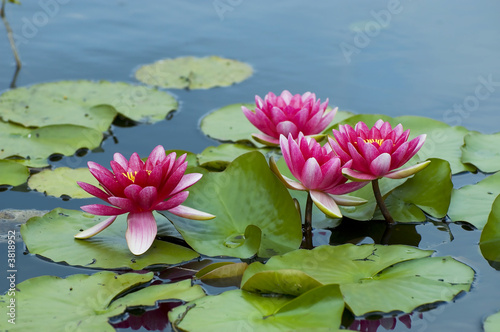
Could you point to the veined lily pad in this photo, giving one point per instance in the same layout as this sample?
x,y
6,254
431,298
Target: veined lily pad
x,y
90,104
13,173
62,181
443,141
38,144
482,151
219,157
237,310
472,203
85,303
490,236
492,323
254,212
372,278
229,124
194,73
52,236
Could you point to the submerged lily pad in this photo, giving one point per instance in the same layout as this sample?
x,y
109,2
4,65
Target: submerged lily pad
x,y
219,157
254,212
38,144
372,278
472,203
482,151
490,236
194,73
443,141
89,104
237,310
62,182
85,303
13,173
52,236
229,124
492,323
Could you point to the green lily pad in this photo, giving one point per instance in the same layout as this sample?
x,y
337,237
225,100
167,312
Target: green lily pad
x,y
427,191
219,157
238,310
482,151
38,144
222,274
492,323
194,73
372,278
229,124
62,182
90,104
490,236
472,203
13,173
52,236
85,303
443,141
254,212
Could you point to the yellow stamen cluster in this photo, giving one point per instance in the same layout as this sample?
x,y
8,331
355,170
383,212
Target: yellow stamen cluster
x,y
379,141
131,175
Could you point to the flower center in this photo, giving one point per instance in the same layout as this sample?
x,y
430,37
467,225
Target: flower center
x,y
379,141
131,175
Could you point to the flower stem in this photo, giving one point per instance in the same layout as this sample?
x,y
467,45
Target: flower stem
x,y
381,204
307,243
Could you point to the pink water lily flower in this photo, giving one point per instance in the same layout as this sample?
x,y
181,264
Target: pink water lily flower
x,y
319,171
138,188
288,114
377,152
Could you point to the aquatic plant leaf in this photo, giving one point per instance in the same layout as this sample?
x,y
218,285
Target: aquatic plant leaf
x,y
222,274
427,191
83,302
229,124
443,141
482,151
87,103
492,323
13,173
219,157
472,203
254,212
237,310
36,145
194,73
52,236
372,278
490,236
62,182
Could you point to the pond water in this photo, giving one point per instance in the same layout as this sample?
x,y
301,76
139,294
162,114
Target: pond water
x,y
427,59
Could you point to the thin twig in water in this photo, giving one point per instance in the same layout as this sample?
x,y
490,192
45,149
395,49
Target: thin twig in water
x,y
10,35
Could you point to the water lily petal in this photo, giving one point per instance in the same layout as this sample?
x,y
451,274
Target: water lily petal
x,y
346,188
190,213
289,183
311,174
155,157
381,165
93,190
102,210
172,201
121,160
187,181
408,171
147,197
123,203
135,163
357,176
96,229
132,192
325,203
141,231
287,127
266,139
345,200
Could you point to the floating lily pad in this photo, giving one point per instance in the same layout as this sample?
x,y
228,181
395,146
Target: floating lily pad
x,y
85,303
482,151
237,310
38,144
427,191
194,73
492,323
90,104
443,141
472,203
490,236
12,173
222,274
372,278
254,212
52,236
219,157
62,182
229,124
